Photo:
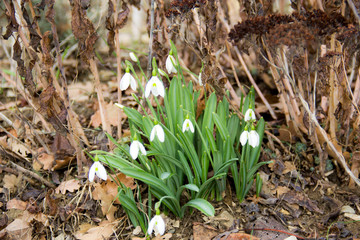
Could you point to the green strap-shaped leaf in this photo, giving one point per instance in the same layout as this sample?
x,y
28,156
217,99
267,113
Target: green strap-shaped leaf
x,y
200,204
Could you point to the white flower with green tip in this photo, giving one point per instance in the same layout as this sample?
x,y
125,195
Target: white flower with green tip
x,y
156,224
127,80
158,131
133,56
252,136
155,86
98,169
250,115
187,125
170,64
135,147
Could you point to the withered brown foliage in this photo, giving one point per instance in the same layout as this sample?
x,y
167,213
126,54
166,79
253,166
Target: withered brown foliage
x,y
308,26
83,30
111,25
179,7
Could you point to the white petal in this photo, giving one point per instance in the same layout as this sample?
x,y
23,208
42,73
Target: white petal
x,y
170,64
148,87
125,81
142,148
132,83
191,127
244,137
200,80
155,86
134,149
151,226
184,126
161,89
152,134
162,73
254,138
133,56
92,172
160,133
157,222
101,171
250,115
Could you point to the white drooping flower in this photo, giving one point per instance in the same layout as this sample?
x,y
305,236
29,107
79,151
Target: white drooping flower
x,y
119,105
187,125
135,147
250,115
159,132
133,56
98,169
200,80
156,224
170,64
127,80
155,86
162,73
252,137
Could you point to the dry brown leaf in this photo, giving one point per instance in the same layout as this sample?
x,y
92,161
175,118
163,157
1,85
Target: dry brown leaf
x,y
16,204
240,236
289,167
16,147
163,237
80,91
19,229
280,190
103,231
106,194
112,113
355,167
70,185
127,181
47,160
11,181
202,231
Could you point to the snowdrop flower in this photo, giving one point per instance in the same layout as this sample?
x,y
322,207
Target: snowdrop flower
x,y
159,132
162,73
252,136
119,105
250,115
187,125
200,81
156,224
98,169
135,147
155,86
127,80
170,64
133,56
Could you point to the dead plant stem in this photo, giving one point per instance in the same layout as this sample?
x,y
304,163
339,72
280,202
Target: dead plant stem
x,y
151,40
257,89
118,68
339,156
